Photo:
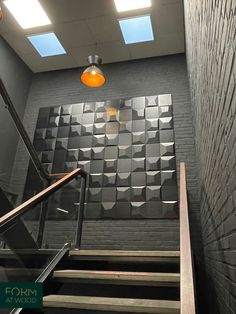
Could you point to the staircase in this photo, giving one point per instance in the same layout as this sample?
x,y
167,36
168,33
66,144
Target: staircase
x,y
115,282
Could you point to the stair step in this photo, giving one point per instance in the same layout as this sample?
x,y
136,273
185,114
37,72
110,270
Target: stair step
x,y
116,255
119,277
112,304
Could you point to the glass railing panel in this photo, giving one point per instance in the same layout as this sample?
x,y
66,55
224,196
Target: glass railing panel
x,y
63,209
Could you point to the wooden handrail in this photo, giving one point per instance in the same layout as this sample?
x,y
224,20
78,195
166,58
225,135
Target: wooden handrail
x,y
187,295
24,207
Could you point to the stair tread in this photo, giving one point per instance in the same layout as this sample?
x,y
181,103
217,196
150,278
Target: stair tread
x,y
118,275
112,304
124,253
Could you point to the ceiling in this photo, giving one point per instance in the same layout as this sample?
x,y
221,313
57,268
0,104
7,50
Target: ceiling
x,y
86,27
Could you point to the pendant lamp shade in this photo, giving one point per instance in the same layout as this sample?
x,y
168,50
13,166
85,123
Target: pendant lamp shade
x,y
93,76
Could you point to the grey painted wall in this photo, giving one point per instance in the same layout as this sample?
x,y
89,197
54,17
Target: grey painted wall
x,y
137,78
211,44
17,77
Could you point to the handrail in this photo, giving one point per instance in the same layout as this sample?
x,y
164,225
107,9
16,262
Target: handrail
x,y
187,295
24,207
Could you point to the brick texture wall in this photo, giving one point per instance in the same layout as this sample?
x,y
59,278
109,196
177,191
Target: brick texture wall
x,y
211,44
126,79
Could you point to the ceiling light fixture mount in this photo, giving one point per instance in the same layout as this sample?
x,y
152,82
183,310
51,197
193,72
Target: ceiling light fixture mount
x,y
93,75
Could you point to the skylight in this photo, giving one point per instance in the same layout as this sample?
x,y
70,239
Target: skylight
x,y
28,13
47,44
137,29
128,5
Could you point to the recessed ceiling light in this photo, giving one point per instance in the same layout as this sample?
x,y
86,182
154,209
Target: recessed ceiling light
x,y
128,5
28,13
137,29
47,44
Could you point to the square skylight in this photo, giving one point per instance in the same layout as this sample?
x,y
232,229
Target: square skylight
x,y
28,13
137,29
128,5
47,44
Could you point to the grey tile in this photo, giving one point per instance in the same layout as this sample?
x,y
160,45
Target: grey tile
x,y
89,107
55,111
99,128
88,118
138,151
87,129
85,165
109,179
98,140
125,151
70,166
109,194
98,152
165,100
96,166
72,155
138,194
153,177
152,150
110,165
168,177
125,139
154,209
151,112
40,133
47,157
64,120
151,101
112,114
95,180
126,127
152,124
93,211
50,144
170,209
139,137
112,128
100,106
85,141
63,131
73,142
167,149
165,112
125,115
77,108
138,103
112,139
94,195
123,210
51,133
84,153
126,104
138,125
76,119
153,163
138,164
54,122
109,210
166,136
138,114
153,193
124,179
100,117
75,130
138,210
168,163
66,110
166,123
138,179
62,143
169,193
111,152
124,165
123,194
152,137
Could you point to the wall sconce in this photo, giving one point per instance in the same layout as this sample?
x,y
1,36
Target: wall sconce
x,y
93,76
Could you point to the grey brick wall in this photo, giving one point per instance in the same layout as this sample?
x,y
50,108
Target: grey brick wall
x,y
211,44
137,78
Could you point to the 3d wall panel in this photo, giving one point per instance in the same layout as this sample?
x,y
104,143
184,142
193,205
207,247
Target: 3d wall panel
x,y
127,148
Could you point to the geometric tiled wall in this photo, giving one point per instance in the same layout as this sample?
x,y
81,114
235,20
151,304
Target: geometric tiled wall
x,y
126,146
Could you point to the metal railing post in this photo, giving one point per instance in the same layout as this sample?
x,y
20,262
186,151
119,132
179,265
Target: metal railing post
x,y
81,212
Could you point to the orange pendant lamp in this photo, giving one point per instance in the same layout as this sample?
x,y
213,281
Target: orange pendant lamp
x,y
93,76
